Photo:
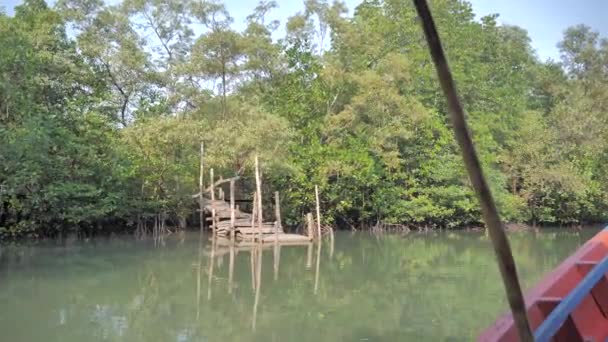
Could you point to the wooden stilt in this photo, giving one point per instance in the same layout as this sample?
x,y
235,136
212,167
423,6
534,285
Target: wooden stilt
x,y
254,211
232,211
277,210
231,267
201,188
213,226
258,186
318,213
221,190
309,225
277,214
319,244
276,233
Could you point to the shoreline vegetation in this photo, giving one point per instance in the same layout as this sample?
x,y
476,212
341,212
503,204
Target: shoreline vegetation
x,y
103,109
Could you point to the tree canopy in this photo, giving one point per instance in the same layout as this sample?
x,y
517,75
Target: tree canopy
x,y
103,107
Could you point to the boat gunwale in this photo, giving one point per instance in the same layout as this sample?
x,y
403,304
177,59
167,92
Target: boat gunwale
x,y
501,326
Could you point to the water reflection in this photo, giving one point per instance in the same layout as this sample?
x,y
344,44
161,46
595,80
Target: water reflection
x,y
219,247
417,287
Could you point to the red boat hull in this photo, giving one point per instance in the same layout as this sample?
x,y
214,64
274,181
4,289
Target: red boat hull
x,y
588,322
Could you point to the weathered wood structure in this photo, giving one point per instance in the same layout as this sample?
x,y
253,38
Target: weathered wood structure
x,y
223,225
228,221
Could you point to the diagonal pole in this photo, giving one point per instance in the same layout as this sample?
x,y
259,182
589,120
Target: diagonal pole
x,y
506,264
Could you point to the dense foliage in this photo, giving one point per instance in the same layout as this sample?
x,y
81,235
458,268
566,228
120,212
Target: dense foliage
x,y
103,108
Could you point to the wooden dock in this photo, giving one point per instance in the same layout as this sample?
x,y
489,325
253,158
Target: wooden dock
x,y
228,220
243,229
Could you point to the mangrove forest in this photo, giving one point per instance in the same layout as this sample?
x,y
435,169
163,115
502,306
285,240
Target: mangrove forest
x,y
104,107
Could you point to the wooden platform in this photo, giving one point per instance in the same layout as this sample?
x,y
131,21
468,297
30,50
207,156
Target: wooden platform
x,y
243,229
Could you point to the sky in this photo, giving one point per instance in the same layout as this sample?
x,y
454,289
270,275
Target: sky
x,y
545,20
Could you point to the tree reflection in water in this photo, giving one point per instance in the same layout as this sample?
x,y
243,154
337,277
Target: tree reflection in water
x,y
416,287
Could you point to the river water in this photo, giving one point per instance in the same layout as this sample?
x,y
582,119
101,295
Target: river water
x,y
417,287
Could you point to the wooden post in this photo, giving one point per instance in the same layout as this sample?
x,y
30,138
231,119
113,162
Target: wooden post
x,y
318,213
232,212
277,210
231,267
309,225
221,190
277,214
258,187
502,249
212,201
201,188
212,185
253,214
276,233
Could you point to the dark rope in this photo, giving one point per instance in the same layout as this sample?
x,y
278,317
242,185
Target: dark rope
x,y
497,234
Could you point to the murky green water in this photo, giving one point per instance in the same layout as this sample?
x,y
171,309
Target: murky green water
x,y
432,287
